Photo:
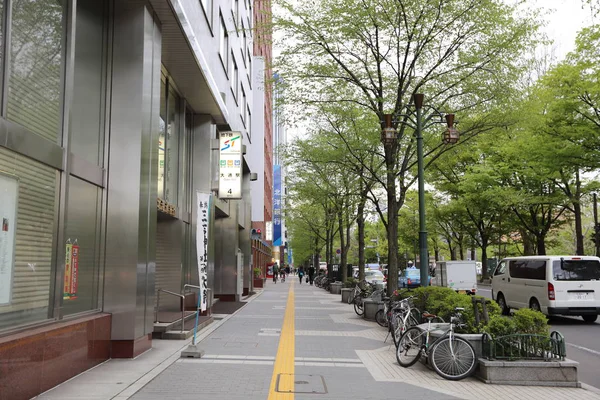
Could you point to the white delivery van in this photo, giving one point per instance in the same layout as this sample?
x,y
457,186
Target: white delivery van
x,y
554,285
458,275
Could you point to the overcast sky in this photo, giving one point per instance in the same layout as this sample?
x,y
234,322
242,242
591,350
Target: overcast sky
x,y
565,19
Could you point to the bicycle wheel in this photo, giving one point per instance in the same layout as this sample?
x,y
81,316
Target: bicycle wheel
x,y
381,319
409,347
358,305
453,359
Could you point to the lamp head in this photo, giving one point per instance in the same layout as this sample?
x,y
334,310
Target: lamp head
x,y
451,134
388,133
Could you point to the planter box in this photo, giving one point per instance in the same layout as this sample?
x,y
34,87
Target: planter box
x,y
529,373
257,282
335,288
346,292
371,307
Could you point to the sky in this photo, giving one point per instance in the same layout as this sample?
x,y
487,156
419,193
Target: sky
x,y
565,18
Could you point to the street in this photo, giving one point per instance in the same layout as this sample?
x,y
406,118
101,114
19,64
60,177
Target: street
x,y
582,343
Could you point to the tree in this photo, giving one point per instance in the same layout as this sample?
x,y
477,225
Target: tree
x,y
378,53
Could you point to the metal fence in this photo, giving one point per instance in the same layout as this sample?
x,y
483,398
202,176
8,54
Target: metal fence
x,y
525,347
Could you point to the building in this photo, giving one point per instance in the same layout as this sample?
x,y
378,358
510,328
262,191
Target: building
x,y
110,116
279,179
262,194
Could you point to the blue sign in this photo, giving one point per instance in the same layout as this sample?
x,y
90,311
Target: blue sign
x,y
277,205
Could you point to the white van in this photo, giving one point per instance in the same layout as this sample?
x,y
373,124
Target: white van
x,y
554,285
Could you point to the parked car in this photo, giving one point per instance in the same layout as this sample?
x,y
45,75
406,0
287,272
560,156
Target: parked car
x,y
554,285
410,278
375,276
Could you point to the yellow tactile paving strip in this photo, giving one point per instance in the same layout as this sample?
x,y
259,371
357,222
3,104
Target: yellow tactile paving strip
x,y
282,381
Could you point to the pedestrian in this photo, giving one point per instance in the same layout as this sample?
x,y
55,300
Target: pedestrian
x,y
275,273
311,274
301,274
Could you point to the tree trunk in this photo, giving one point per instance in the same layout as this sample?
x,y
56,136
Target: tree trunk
x,y
461,251
527,244
484,246
316,257
484,270
360,221
473,254
541,244
577,212
342,265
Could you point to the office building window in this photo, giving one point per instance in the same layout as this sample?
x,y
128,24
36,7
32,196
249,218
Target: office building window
x,y
207,6
243,107
249,67
235,78
249,123
223,43
36,65
168,142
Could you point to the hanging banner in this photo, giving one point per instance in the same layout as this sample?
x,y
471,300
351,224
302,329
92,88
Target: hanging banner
x,y
230,165
277,205
203,210
9,189
68,270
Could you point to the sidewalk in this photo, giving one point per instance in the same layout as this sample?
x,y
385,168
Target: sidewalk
x,y
333,354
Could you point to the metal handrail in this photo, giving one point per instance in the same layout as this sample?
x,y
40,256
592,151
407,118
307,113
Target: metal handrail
x,y
208,300
182,297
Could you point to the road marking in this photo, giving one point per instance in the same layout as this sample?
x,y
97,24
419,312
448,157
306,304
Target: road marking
x,y
283,371
584,349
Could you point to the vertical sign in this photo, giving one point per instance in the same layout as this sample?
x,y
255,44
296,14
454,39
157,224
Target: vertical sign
x,y
269,229
203,204
71,282
230,165
9,189
277,205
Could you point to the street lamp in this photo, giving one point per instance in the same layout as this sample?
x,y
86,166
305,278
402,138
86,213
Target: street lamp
x,y
389,136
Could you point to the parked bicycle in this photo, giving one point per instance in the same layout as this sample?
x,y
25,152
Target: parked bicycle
x,y
371,293
452,357
398,316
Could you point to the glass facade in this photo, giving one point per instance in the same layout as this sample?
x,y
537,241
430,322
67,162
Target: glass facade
x,y
26,245
35,68
169,137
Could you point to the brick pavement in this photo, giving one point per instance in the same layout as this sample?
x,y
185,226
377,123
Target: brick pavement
x,y
337,354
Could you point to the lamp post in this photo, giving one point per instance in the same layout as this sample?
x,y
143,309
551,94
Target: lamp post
x,y
450,136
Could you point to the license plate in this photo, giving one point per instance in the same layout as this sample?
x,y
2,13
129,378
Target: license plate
x,y
581,296
462,292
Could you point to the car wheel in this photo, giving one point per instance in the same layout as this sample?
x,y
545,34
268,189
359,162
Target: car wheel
x,y
535,305
502,303
590,319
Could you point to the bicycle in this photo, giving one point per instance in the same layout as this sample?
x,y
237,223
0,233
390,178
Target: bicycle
x,y
360,294
397,316
452,357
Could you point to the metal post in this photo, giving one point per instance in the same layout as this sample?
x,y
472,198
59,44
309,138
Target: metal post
x,y
423,258
596,233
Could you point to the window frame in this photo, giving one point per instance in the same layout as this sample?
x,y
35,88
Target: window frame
x,y
208,9
235,78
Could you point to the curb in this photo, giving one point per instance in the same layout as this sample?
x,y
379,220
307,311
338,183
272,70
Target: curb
x,y
200,336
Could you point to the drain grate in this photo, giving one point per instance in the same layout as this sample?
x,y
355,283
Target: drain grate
x,y
314,384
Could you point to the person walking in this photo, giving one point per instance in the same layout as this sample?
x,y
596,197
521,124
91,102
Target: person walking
x,y
301,274
311,274
275,273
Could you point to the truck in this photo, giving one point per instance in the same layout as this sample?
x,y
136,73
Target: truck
x,y
458,275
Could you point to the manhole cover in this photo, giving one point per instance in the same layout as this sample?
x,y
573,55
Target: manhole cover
x,y
292,383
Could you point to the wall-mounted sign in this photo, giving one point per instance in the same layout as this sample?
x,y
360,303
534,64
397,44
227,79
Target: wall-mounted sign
x,y
71,283
277,205
9,190
230,165
203,219
269,230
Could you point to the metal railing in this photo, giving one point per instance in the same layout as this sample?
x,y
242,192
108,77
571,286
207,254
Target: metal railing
x,y
182,297
525,347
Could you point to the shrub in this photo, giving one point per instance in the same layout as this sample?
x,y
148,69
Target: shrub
x,y
530,321
500,326
257,272
350,283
